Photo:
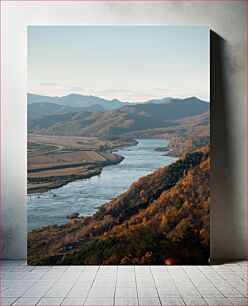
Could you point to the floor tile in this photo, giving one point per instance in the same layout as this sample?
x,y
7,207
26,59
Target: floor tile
x,y
126,285
99,302
165,283
104,283
41,269
147,292
125,269
126,292
75,269
7,301
217,301
107,292
10,293
230,292
239,301
194,301
58,268
88,269
73,301
79,291
108,269
121,301
166,301
50,301
27,301
164,292
58,291
149,301
142,282
38,290
210,292
192,292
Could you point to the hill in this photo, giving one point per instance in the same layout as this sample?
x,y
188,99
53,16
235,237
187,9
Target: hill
x,y
185,135
120,121
163,218
169,100
74,100
46,108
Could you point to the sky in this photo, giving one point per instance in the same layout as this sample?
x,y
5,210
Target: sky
x,y
129,63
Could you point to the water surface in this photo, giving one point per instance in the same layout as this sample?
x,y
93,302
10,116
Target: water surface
x,y
84,196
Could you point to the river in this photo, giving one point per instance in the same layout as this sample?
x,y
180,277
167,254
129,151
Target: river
x,y
84,196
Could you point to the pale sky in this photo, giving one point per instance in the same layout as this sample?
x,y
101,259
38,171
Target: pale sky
x,y
130,63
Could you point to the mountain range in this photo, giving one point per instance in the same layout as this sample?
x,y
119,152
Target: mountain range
x,y
74,101
48,108
39,105
119,121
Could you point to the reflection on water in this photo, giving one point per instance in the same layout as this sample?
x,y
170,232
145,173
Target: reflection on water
x,y
84,196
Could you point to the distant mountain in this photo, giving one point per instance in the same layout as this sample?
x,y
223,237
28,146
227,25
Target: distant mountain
x,y
74,100
47,108
162,219
119,121
169,100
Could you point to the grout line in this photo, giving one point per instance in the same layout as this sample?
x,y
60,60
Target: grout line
x,y
236,304
175,285
35,284
155,285
203,273
231,284
14,301
136,284
87,295
72,285
210,282
116,282
38,301
237,273
193,283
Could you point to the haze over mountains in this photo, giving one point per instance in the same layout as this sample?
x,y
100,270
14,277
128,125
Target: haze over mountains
x,y
48,108
44,105
82,115
73,101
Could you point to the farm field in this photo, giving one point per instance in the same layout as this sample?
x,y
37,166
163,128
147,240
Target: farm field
x,y
53,161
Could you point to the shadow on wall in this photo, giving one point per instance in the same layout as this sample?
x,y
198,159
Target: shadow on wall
x,y
222,219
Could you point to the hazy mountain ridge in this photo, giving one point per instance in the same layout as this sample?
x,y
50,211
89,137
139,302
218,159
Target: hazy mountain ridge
x,y
47,108
75,100
120,121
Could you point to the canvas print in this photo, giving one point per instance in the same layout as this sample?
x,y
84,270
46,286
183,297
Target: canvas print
x,y
118,167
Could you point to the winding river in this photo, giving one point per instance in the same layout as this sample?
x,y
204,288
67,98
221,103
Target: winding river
x,y
84,196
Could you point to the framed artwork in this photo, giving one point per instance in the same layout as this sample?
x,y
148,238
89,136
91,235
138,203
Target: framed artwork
x,y
118,145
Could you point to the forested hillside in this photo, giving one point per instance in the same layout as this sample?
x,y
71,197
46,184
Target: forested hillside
x,y
162,219
117,122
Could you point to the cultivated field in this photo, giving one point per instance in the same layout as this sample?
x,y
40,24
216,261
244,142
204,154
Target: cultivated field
x,y
53,161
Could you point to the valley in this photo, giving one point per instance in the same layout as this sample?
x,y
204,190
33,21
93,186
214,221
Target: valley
x,y
162,215
146,207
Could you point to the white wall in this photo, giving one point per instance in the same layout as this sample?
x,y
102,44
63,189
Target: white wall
x,y
229,97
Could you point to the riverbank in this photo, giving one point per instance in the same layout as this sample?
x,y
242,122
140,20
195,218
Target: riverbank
x,y
149,223
55,161
87,195
43,184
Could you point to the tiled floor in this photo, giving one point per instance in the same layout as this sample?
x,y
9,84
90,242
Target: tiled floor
x,y
123,285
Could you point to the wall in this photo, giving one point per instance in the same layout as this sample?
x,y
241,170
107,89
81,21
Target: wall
x,y
228,101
